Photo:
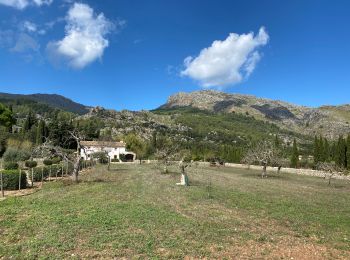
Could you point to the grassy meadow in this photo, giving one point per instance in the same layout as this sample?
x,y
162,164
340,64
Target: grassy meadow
x,y
134,211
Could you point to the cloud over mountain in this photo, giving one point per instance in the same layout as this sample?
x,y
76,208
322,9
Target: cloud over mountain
x,y
85,37
226,62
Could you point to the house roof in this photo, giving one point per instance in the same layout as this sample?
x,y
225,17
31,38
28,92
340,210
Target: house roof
x,y
103,144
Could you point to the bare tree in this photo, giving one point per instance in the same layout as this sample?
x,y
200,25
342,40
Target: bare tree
x,y
48,149
331,168
166,151
184,163
264,153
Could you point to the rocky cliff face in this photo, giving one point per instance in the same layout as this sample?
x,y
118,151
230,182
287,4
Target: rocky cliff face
x,y
330,121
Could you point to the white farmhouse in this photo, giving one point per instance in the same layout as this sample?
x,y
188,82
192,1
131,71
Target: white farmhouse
x,y
112,149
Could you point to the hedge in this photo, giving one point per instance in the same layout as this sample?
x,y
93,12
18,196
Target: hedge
x,y
56,160
10,166
39,171
47,162
11,179
45,171
31,164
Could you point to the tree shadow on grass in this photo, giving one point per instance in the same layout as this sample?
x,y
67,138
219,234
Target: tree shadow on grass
x,y
257,175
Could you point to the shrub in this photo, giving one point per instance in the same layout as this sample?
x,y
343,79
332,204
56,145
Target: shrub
x,y
122,157
56,160
11,166
115,160
40,172
101,156
56,169
15,155
31,164
47,162
11,179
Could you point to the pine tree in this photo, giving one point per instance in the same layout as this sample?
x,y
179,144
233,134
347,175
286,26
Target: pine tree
x,y
295,155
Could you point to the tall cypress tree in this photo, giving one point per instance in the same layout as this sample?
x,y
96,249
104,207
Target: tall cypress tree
x,y
41,132
295,155
327,152
340,153
316,150
348,152
321,149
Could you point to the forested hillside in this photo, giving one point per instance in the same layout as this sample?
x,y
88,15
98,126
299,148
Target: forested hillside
x,y
206,133
50,100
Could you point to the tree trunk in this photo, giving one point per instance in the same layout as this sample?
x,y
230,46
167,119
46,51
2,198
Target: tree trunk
x,y
75,175
279,169
330,177
32,177
263,174
19,179
2,185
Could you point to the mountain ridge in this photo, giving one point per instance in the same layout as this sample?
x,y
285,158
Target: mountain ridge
x,y
327,120
52,100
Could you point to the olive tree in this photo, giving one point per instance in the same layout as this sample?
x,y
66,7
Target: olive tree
x,y
331,169
263,153
49,149
184,163
166,151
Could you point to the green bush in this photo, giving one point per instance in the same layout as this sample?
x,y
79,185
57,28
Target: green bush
x,y
56,169
56,160
101,156
47,162
40,172
115,160
122,157
31,164
11,179
11,166
15,155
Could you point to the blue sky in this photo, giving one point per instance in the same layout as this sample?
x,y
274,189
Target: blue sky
x,y
128,54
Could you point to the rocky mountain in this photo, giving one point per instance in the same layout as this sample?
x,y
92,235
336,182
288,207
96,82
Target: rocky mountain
x,y
52,100
330,121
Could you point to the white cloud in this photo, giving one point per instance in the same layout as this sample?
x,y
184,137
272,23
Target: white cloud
x,y
226,62
21,4
85,40
30,27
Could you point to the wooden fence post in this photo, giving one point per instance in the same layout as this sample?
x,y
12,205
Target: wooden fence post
x,y
19,179
1,181
32,178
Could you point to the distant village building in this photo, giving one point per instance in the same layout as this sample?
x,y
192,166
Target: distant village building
x,y
114,150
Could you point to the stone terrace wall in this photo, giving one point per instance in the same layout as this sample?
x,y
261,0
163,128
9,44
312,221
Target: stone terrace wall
x,y
307,172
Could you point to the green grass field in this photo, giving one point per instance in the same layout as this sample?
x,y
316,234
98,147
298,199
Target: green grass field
x,y
136,212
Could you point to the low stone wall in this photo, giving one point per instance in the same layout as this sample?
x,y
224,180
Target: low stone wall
x,y
307,172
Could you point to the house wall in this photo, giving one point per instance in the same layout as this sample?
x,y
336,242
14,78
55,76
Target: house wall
x,y
112,152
